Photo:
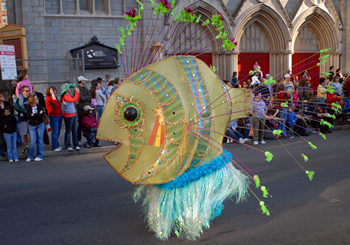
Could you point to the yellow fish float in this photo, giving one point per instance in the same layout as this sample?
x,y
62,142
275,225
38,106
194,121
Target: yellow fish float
x,y
170,117
166,117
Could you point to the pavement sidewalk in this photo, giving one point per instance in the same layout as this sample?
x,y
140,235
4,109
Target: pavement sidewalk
x,y
48,152
106,146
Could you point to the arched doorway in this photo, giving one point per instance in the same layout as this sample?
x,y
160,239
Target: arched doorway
x,y
306,54
254,46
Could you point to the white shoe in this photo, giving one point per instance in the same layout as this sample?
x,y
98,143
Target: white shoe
x,y
262,142
228,140
79,143
16,160
29,159
38,159
291,137
256,143
10,160
247,140
231,140
69,149
57,149
60,147
77,148
241,141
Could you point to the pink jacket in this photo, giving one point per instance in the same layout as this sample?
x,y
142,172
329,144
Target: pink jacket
x,y
89,122
21,84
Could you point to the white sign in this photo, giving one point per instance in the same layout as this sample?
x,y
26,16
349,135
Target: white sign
x,y
8,62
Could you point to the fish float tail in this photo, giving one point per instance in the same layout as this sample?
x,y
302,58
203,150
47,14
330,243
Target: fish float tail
x,y
187,205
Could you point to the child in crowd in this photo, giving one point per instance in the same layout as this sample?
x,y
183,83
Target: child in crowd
x,y
291,119
22,80
8,126
255,80
234,80
90,125
234,134
258,118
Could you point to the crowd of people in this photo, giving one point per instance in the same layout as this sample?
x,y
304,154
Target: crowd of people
x,y
31,116
288,104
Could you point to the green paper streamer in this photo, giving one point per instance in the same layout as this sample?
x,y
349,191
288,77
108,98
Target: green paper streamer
x,y
268,155
265,193
264,209
324,57
323,136
257,181
321,63
312,146
305,157
324,50
310,174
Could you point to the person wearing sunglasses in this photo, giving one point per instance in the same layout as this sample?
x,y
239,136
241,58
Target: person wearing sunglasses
x,y
23,120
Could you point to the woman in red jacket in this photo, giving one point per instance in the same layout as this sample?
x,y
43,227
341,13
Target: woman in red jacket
x,y
53,106
90,125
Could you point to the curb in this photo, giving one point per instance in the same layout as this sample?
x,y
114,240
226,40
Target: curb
x,y
105,149
102,149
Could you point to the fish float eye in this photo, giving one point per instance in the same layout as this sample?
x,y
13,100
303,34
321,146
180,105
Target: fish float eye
x,y
130,114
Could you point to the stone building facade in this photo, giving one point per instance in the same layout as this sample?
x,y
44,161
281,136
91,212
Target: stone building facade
x,y
277,33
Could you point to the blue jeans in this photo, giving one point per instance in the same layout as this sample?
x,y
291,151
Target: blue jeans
x,y
99,111
282,123
55,124
234,134
90,137
71,126
11,146
321,100
246,131
2,144
80,125
36,139
19,136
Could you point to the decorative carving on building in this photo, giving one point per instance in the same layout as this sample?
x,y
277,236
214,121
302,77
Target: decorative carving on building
x,y
295,9
335,13
317,2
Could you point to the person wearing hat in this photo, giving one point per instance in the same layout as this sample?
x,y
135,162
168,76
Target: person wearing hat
x,y
90,126
288,84
69,115
85,99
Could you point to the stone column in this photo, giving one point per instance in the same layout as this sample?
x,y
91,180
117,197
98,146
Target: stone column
x,y
289,54
234,58
346,65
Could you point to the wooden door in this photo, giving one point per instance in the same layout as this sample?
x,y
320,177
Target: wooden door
x,y
302,62
246,62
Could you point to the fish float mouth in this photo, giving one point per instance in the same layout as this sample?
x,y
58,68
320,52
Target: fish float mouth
x,y
117,146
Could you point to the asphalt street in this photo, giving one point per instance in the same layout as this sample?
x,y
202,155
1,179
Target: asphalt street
x,y
81,200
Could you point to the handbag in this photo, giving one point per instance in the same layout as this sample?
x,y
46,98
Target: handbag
x,y
93,102
46,119
91,130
